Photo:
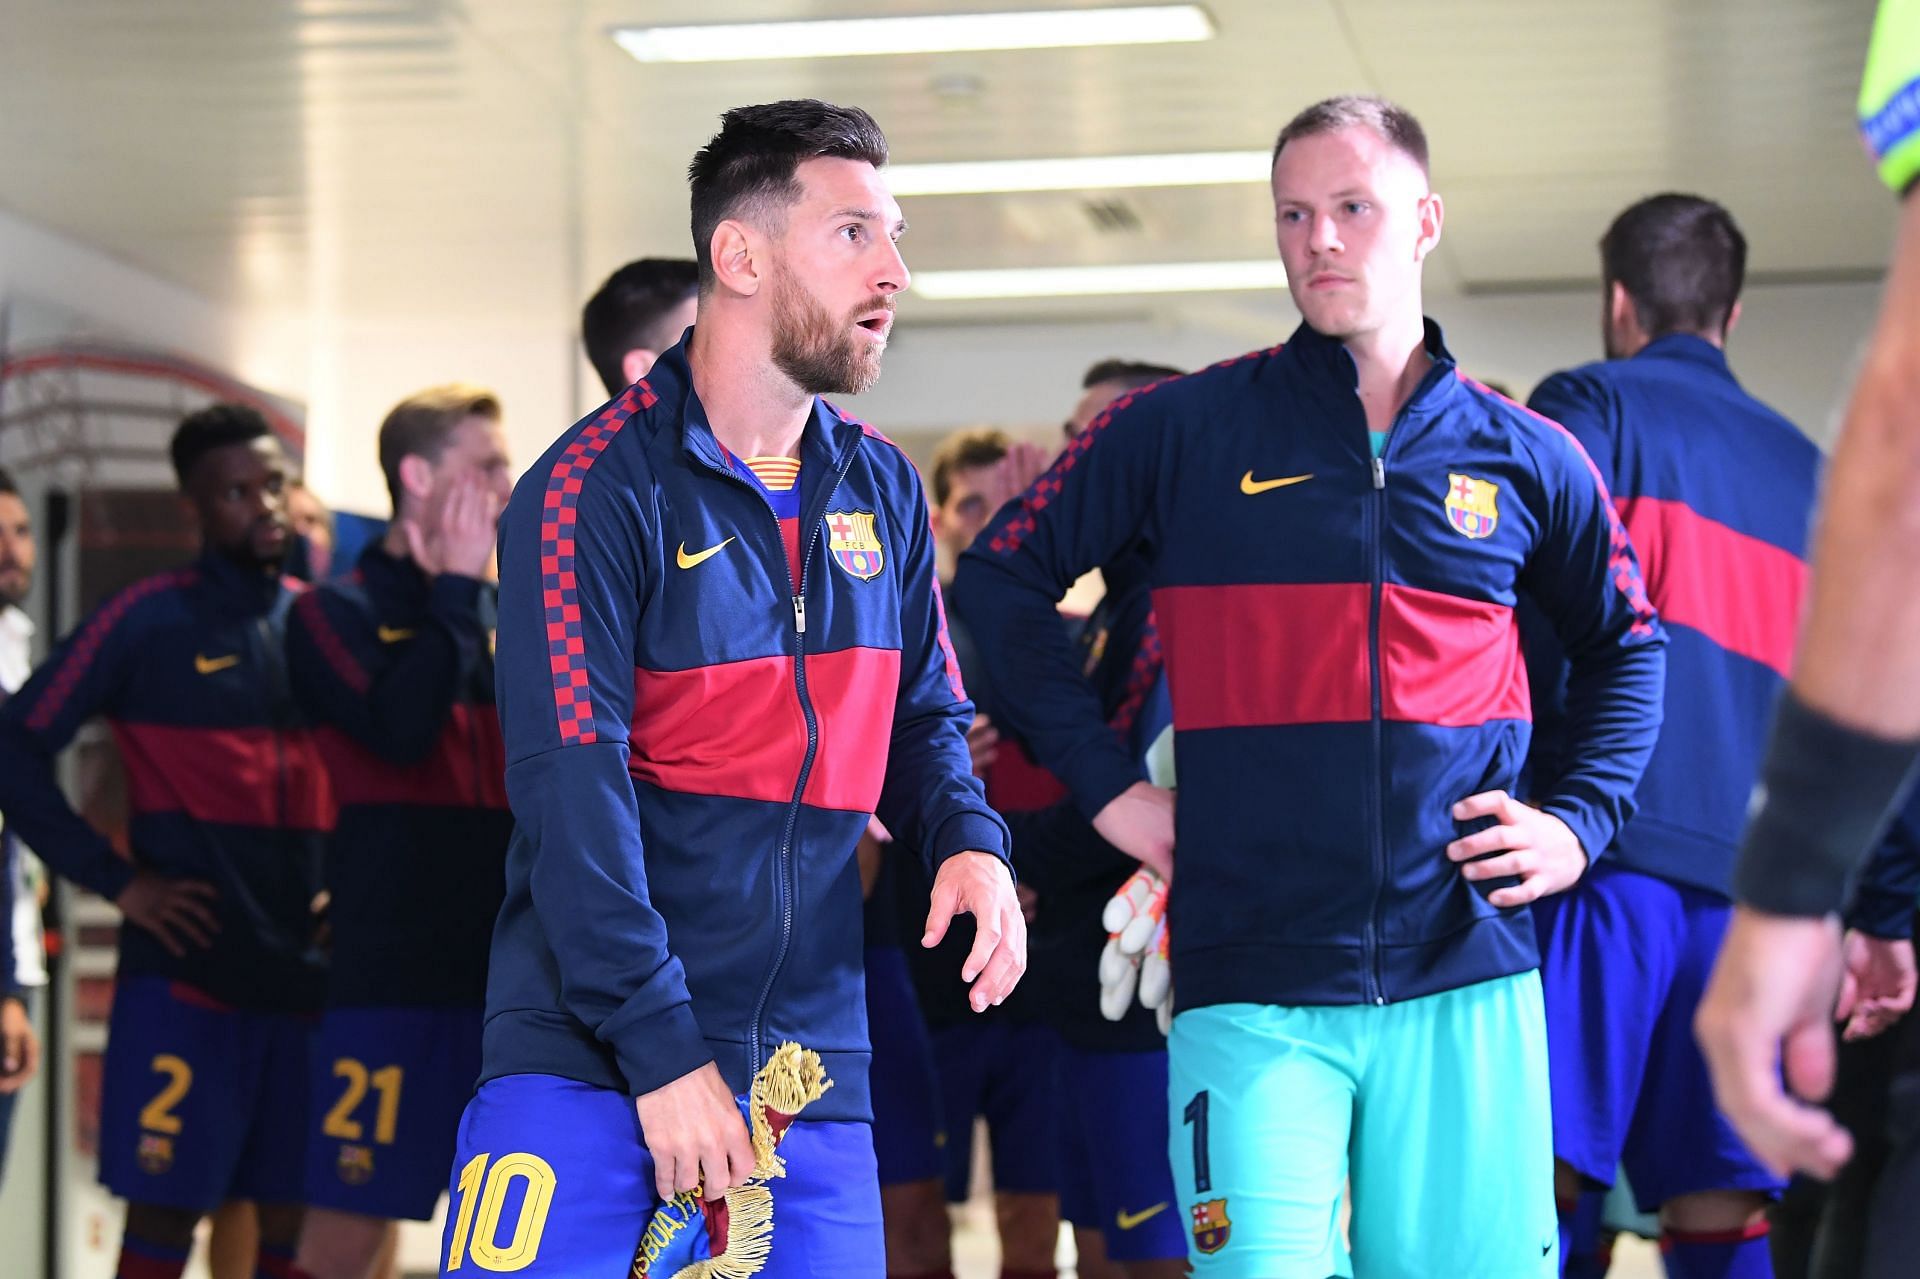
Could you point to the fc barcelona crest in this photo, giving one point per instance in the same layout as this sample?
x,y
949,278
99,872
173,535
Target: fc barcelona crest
x,y
1472,505
355,1165
154,1154
854,543
1210,1225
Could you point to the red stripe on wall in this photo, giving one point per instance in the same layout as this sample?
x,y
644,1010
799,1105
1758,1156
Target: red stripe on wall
x,y
236,776
465,769
1740,592
1262,655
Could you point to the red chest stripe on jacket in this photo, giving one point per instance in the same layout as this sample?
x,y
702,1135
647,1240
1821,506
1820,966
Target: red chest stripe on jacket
x,y
1256,656
736,728
466,768
235,776
1740,592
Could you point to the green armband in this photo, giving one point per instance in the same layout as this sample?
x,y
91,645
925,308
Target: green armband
x,y
1890,94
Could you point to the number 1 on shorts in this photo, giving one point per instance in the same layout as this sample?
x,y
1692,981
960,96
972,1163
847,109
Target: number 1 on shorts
x,y
1196,1114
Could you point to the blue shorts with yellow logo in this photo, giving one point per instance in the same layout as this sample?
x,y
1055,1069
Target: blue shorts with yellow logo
x,y
201,1103
1435,1108
388,1088
551,1177
1114,1175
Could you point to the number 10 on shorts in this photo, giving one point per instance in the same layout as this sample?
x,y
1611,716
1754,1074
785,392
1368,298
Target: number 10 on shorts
x,y
482,1194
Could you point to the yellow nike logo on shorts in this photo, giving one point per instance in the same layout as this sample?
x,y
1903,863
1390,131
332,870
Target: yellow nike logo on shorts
x,y
1128,1220
210,665
394,634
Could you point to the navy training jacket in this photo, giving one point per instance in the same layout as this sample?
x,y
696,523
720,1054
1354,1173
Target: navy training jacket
x,y
1343,656
224,779
695,736
396,672
1717,492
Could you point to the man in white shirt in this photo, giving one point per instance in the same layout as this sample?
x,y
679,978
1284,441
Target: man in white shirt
x,y
23,965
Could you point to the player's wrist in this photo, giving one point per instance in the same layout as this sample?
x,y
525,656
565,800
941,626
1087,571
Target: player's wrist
x,y
1823,800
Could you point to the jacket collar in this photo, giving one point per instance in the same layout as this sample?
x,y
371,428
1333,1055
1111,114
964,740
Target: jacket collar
x,y
1329,367
827,436
248,590
1690,348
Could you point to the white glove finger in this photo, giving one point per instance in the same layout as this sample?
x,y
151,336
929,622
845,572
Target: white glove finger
x,y
1156,980
1116,997
1163,1015
1113,962
1138,934
1129,901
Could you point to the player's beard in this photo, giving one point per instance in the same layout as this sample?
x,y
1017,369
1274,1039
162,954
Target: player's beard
x,y
821,354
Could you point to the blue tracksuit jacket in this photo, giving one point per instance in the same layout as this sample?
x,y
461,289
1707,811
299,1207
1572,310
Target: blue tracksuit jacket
x,y
1343,657
695,734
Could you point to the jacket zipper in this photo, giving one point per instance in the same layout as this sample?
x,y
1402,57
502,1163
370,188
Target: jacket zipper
x,y
276,717
1376,977
1376,983
783,863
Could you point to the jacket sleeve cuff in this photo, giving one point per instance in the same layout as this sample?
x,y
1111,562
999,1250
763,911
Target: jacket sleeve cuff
x,y
106,873
1098,778
971,833
1595,836
1882,914
452,594
659,1048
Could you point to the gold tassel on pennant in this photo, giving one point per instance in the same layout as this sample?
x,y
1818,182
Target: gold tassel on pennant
x,y
792,1079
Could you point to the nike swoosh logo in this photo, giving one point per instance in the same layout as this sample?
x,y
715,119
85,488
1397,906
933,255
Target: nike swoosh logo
x,y
209,665
685,560
1251,486
394,634
1128,1220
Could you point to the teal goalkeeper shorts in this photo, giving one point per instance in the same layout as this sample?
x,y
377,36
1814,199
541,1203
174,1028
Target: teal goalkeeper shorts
x,y
1435,1109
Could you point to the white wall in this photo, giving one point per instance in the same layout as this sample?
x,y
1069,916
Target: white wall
x,y
1795,348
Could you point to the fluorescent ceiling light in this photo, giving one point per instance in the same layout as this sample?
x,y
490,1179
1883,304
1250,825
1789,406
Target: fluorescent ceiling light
x,y
1090,281
930,33
1080,173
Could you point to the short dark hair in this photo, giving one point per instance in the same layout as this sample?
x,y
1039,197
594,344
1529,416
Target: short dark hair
x,y
966,451
1132,374
1393,122
747,169
1682,260
214,427
629,312
418,426
6,482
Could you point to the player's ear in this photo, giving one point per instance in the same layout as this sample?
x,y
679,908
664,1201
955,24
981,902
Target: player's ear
x,y
739,254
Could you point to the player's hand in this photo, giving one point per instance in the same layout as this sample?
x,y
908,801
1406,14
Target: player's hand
x,y
1770,1003
983,744
19,1047
457,533
1015,473
1879,984
1536,846
696,1136
178,912
1139,822
980,884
